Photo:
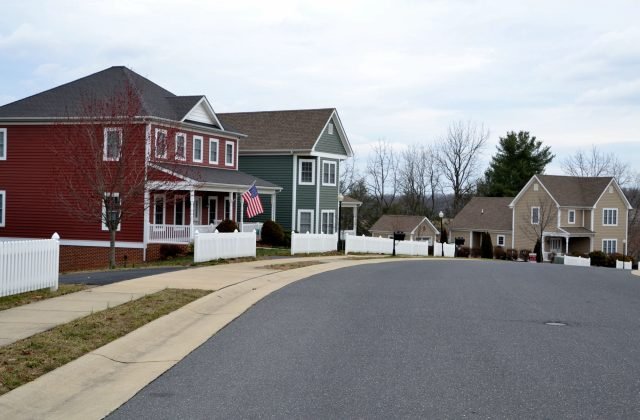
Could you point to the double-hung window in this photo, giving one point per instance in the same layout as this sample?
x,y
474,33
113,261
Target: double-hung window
x,y
610,217
158,209
307,171
571,216
197,148
178,210
535,215
609,246
500,240
3,144
112,143
3,206
228,153
213,151
305,221
111,211
328,221
181,146
328,173
161,143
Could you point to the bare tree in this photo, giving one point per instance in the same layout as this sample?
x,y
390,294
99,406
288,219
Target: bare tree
x,y
597,163
541,215
419,179
382,171
348,175
102,155
458,158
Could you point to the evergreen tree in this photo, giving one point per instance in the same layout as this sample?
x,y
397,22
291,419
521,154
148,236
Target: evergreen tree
x,y
518,158
486,247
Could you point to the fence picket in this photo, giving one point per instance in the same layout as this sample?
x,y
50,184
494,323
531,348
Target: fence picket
x,y
29,265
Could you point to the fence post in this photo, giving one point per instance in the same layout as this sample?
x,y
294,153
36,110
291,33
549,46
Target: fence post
x,y
56,260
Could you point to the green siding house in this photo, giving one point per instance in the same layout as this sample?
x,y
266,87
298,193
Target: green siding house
x,y
300,151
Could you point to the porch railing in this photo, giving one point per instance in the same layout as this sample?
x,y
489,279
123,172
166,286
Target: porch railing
x,y
176,234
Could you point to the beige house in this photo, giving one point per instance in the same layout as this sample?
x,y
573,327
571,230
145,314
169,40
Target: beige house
x,y
484,214
572,214
416,228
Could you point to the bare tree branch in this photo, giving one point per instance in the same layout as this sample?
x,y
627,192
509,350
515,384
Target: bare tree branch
x,y
382,171
597,163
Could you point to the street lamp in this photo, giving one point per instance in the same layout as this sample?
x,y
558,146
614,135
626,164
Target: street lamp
x,y
340,198
624,252
441,214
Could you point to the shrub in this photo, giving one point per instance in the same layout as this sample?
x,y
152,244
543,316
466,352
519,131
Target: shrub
x,y
537,249
499,253
475,253
612,258
167,251
272,233
512,254
227,226
286,242
598,258
486,247
524,254
463,252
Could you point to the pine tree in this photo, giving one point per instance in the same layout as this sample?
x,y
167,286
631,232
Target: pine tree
x,y
486,247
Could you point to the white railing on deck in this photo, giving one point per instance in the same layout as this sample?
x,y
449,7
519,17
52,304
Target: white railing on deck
x,y
372,245
176,234
250,227
449,250
306,243
579,261
29,265
214,246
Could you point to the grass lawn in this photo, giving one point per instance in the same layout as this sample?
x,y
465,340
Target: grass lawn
x,y
27,359
292,265
7,302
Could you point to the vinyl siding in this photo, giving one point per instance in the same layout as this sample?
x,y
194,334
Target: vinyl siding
x,y
524,235
477,235
330,143
610,200
278,170
329,194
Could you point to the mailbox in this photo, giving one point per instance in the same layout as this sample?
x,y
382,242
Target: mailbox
x,y
459,241
398,236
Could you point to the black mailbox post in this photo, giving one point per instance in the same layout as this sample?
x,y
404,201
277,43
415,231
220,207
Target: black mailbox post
x,y
397,236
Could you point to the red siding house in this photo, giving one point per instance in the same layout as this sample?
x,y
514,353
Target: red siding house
x,y
185,158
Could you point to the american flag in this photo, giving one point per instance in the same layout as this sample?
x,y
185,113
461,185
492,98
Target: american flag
x,y
252,200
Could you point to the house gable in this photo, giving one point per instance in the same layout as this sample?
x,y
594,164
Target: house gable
x,y
332,139
524,234
203,113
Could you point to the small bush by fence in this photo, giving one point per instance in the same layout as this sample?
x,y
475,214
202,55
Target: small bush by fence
x,y
29,265
213,246
307,243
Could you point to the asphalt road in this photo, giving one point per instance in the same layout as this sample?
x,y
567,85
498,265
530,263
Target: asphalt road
x,y
435,339
101,278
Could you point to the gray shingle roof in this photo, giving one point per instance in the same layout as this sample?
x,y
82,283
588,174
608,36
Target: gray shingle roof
x,y
485,214
573,190
218,176
278,130
70,99
392,223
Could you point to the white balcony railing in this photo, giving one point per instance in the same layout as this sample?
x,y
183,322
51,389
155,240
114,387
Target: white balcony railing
x,y
176,234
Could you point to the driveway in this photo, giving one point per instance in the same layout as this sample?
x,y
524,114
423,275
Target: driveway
x,y
420,339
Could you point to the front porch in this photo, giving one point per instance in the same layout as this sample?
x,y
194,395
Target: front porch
x,y
570,241
184,234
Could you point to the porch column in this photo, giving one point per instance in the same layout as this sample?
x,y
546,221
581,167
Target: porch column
x,y
470,239
273,206
192,200
146,210
231,212
355,220
542,246
567,246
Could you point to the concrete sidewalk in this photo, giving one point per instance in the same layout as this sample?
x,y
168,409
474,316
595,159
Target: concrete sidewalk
x,y
96,384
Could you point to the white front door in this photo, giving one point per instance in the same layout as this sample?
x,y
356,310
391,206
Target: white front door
x,y
556,245
197,211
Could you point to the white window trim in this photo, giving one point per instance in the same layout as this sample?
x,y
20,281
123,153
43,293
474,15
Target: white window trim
x,y
233,153
300,211
164,155
176,201
216,148
184,136
615,241
330,128
333,215
156,197
569,213
538,222
104,212
3,204
504,240
193,154
215,206
604,211
313,172
105,145
335,173
4,144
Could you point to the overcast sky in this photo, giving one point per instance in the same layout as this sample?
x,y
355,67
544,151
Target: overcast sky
x,y
567,71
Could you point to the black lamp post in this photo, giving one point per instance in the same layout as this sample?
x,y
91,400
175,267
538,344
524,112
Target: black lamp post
x,y
441,214
340,198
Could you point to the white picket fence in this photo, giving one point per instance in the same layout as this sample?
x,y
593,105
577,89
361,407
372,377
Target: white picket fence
x,y
29,265
626,265
251,227
306,243
449,250
213,246
578,261
372,245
